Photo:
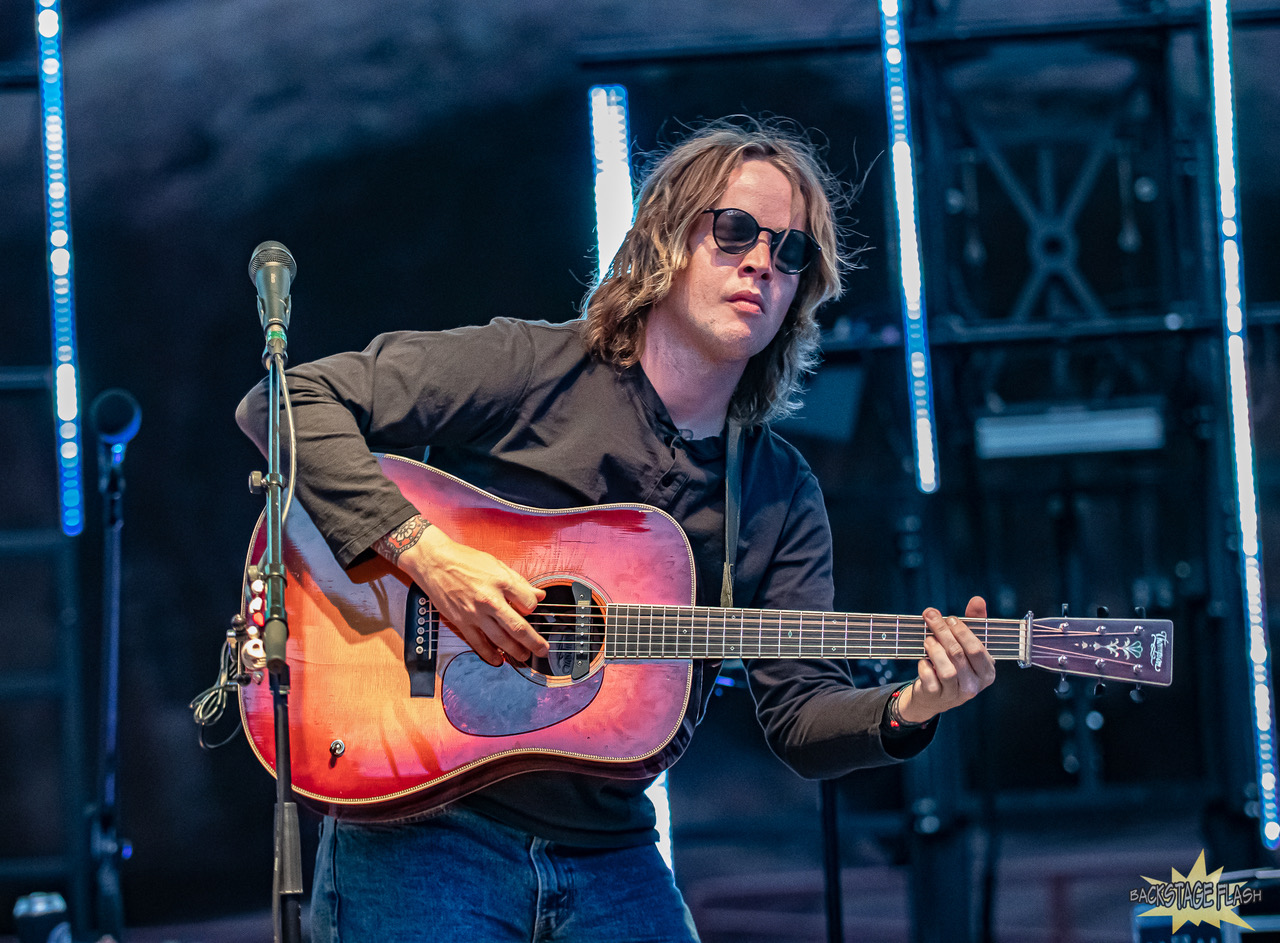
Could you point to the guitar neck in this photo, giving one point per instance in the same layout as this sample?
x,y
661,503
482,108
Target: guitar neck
x,y
640,631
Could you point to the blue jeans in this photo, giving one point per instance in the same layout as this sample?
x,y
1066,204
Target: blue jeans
x,y
460,876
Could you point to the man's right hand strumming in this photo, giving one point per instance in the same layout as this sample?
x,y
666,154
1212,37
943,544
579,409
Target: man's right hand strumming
x,y
484,600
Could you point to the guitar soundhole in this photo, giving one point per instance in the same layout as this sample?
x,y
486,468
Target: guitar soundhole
x,y
574,632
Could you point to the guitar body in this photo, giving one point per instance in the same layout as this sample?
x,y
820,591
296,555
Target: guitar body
x,y
364,747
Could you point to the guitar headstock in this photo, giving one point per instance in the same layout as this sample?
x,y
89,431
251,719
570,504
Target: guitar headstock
x,y
1134,650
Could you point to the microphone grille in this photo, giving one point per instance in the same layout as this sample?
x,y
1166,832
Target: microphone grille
x,y
269,252
116,416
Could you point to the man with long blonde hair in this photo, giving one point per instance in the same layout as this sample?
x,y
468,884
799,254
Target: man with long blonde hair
x,y
696,338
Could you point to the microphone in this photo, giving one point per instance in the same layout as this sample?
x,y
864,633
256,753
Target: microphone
x,y
272,270
116,417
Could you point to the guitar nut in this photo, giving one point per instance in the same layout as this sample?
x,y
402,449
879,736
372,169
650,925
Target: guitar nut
x,y
337,748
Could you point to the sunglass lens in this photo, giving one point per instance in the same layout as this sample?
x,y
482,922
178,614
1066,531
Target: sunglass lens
x,y
736,231
793,253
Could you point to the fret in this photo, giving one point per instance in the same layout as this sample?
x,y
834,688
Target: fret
x,y
871,631
897,636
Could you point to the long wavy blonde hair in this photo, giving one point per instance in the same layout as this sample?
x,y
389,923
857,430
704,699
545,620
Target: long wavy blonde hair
x,y
683,182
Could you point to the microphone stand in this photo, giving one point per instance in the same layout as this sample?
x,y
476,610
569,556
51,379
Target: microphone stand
x,y
287,880
107,848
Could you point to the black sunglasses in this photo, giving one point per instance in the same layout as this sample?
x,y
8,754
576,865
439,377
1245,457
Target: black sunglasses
x,y
736,231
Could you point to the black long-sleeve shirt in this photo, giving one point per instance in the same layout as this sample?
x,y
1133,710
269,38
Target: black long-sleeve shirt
x,y
522,410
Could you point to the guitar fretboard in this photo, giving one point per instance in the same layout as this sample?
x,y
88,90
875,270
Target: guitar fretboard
x,y
642,631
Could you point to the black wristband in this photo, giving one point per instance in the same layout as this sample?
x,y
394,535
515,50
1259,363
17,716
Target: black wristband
x,y
893,722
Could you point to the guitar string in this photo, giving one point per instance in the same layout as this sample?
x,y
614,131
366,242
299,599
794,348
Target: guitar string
x,y
811,627
851,651
905,629
909,630
692,615
854,650
706,614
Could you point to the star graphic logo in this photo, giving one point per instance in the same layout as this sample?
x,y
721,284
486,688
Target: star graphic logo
x,y
1196,897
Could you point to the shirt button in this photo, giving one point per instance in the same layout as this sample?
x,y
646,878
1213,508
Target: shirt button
x,y
667,479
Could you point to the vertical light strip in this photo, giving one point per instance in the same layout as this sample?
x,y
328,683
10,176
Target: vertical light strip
x,y
66,385
916,336
1255,610
609,148
615,209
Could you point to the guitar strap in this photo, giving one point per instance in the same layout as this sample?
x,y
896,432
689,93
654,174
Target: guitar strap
x,y
732,509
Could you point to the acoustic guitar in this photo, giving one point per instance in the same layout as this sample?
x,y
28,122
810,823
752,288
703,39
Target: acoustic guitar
x,y
392,713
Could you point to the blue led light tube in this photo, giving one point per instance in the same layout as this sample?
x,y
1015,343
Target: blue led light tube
x,y
1237,370
66,383
924,435
612,160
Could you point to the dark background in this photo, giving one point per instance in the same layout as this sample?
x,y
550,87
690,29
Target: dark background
x,y
429,165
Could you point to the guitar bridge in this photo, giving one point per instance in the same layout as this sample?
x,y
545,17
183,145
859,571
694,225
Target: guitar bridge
x,y
581,631
421,636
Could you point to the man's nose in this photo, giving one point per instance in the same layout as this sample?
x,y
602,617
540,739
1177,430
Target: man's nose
x,y
759,257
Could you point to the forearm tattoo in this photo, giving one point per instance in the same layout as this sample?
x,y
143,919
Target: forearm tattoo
x,y
396,542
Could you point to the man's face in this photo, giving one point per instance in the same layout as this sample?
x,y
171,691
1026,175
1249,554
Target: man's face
x,y
727,308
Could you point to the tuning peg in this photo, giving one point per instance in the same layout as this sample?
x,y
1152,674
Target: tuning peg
x,y
1102,612
1099,689
1065,609
1063,689
1140,612
1136,694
